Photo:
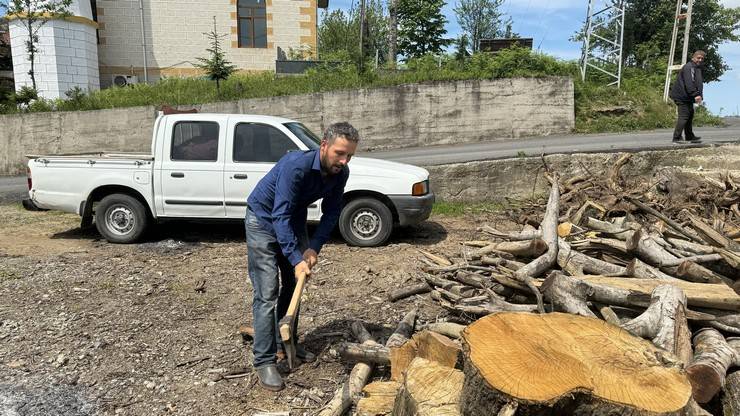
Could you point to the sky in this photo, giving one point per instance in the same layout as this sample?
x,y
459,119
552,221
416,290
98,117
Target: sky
x,y
552,22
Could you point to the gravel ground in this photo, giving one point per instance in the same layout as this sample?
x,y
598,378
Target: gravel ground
x,y
88,327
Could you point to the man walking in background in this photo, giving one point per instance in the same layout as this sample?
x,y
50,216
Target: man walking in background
x,y
685,92
278,247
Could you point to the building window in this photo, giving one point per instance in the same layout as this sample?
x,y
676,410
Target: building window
x,y
252,18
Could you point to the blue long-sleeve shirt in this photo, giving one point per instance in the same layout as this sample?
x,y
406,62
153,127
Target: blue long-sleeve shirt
x,y
281,198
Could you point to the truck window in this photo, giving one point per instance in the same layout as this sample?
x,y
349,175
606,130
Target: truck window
x,y
260,143
195,141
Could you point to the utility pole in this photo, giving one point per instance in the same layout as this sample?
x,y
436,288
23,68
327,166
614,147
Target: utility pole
x,y
393,32
362,33
603,40
682,15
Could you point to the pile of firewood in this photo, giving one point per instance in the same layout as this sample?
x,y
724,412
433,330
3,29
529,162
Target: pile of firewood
x,y
627,303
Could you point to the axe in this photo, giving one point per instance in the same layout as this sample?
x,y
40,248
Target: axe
x,y
288,322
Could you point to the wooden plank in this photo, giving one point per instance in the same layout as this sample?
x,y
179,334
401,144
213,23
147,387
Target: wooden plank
x,y
706,295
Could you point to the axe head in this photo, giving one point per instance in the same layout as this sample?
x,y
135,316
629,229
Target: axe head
x,y
287,324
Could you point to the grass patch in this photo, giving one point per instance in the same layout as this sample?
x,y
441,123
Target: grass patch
x,y
459,209
640,95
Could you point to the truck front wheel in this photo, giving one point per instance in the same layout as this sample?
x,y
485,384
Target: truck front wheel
x,y
121,218
366,222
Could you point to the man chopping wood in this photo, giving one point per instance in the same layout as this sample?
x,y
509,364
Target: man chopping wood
x,y
278,247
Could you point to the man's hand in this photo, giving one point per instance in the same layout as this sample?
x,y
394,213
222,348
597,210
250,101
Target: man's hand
x,y
698,99
302,268
310,257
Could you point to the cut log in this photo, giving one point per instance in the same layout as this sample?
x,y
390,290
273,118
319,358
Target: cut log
x,y
405,292
378,399
550,235
440,260
693,272
429,389
711,235
712,357
512,235
531,248
662,320
690,246
699,258
349,391
706,295
648,249
371,353
616,231
597,243
566,364
640,270
425,344
449,329
403,331
576,263
498,261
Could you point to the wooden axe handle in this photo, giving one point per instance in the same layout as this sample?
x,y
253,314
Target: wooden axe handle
x,y
286,328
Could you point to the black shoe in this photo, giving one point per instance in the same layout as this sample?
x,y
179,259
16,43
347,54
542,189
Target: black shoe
x,y
270,378
696,139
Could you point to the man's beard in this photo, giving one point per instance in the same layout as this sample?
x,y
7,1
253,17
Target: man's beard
x,y
327,168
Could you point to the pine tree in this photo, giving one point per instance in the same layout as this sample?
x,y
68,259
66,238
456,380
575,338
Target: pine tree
x,y
216,66
421,27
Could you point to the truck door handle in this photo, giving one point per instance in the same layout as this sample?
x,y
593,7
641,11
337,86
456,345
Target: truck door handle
x,y
177,175
241,176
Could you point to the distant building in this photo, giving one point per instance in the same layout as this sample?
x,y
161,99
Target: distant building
x,y
101,44
6,63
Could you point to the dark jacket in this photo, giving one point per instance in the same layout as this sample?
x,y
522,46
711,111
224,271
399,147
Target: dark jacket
x,y
688,84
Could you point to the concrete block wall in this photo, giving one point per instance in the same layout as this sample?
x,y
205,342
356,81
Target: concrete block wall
x,y
174,35
393,117
67,57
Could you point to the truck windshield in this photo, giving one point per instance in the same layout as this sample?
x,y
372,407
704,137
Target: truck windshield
x,y
304,135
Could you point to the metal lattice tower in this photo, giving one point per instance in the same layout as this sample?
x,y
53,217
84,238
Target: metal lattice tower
x,y
602,43
683,14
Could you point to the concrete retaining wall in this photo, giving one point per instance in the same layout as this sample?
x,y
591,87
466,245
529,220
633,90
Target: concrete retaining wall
x,y
387,118
497,180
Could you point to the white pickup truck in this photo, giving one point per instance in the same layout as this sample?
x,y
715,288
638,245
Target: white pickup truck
x,y
205,166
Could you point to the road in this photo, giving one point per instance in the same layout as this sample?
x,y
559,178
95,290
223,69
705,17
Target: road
x,y
557,144
14,188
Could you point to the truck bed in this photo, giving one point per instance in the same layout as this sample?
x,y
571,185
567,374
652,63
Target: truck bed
x,y
96,155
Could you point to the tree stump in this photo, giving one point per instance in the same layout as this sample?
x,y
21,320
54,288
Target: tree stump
x,y
429,389
566,364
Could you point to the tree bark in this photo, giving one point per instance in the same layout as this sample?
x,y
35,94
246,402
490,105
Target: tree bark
x,y
549,229
712,357
565,364
640,270
531,248
662,319
448,329
425,344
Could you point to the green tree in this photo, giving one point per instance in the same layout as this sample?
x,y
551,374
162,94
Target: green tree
x,y
216,66
461,43
481,19
649,25
33,15
421,27
339,33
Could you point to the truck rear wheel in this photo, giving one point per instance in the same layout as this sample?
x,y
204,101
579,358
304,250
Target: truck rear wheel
x,y
366,222
121,218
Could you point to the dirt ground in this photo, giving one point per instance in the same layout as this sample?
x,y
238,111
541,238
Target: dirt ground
x,y
88,327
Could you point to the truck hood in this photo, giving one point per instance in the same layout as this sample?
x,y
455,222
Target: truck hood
x,y
377,168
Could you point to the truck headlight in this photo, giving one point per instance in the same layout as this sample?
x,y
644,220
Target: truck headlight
x,y
420,188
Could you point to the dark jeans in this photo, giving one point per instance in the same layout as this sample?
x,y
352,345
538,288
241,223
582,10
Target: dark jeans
x,y
273,281
684,120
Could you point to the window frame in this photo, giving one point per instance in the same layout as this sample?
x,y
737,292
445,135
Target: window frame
x,y
251,19
256,123
218,141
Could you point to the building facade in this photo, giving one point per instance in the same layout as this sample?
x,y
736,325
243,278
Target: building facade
x,y
256,31
107,41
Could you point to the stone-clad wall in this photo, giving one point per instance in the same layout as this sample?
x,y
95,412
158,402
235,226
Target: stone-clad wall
x,y
387,118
